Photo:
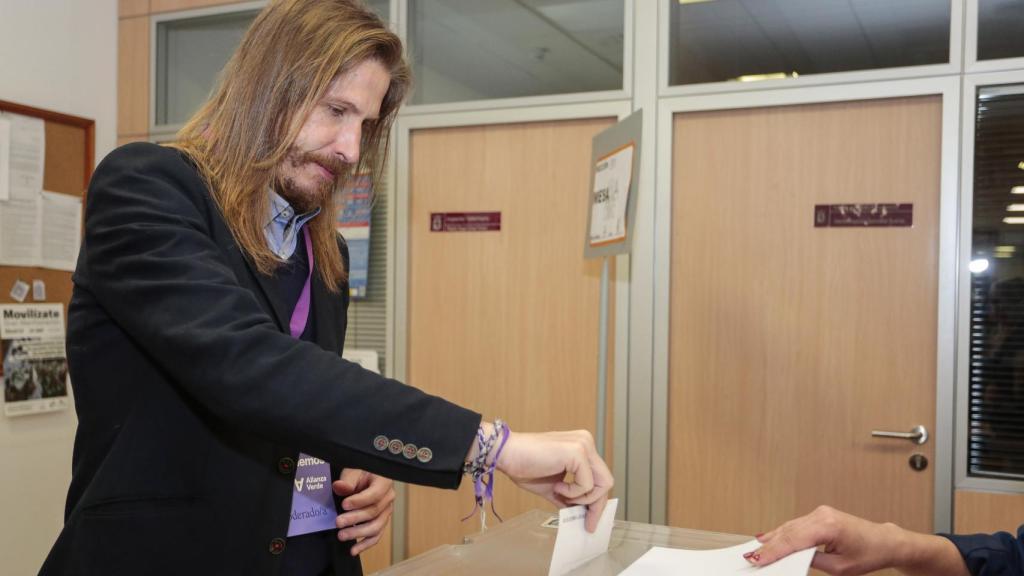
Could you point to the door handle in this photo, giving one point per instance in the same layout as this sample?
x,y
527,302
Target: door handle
x,y
919,435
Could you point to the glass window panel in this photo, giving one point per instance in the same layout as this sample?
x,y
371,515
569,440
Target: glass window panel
x,y
1000,29
480,49
996,405
191,53
721,40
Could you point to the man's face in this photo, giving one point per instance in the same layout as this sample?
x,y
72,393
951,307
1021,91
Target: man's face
x,y
328,143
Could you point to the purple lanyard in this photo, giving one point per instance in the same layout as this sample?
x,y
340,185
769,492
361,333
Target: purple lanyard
x,y
300,316
312,502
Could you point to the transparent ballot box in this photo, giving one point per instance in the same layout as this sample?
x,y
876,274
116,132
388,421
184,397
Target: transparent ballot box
x,y
522,547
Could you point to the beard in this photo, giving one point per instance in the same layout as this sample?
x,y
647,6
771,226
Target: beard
x,y
306,198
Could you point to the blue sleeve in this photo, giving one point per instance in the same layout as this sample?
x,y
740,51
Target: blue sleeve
x,y
996,554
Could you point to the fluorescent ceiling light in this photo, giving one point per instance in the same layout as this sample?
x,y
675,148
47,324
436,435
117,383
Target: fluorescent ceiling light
x,y
1017,190
1013,220
1020,165
1006,249
1015,208
978,266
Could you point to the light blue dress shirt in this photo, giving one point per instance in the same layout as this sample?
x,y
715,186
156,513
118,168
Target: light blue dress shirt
x,y
283,225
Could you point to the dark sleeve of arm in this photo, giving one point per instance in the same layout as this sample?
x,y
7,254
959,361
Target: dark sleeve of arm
x,y
998,554
151,262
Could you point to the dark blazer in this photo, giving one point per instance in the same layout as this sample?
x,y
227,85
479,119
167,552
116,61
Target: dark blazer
x,y
193,400
998,554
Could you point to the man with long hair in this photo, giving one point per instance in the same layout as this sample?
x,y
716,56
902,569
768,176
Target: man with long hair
x,y
207,321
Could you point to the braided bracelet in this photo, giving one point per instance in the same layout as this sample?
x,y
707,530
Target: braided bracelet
x,y
482,472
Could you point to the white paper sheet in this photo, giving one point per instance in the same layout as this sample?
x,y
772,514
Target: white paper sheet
x,y
722,562
5,158
27,156
19,232
19,290
61,231
575,546
612,178
44,231
38,290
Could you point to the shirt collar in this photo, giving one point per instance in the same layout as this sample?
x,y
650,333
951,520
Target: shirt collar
x,y
283,224
283,213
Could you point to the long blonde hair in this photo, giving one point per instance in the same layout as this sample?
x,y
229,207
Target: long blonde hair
x,y
283,67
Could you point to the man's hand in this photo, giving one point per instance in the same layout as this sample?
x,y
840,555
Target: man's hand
x,y
368,503
562,467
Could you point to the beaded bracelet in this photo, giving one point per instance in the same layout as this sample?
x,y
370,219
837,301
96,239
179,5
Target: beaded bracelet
x,y
482,472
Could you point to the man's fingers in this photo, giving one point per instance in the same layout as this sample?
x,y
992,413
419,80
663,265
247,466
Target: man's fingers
x,y
369,528
594,512
347,482
378,490
365,544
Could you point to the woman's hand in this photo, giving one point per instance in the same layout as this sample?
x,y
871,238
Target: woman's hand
x,y
854,546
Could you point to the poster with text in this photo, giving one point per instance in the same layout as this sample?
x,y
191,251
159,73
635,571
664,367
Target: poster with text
x,y
34,371
353,223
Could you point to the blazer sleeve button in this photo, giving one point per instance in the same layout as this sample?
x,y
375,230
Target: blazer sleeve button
x,y
286,465
276,546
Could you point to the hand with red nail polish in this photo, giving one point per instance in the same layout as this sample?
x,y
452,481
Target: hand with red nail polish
x,y
854,546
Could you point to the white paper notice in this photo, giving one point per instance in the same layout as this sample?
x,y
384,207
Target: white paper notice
x,y
5,158
35,367
19,291
575,546
19,232
61,230
38,290
722,562
27,155
611,196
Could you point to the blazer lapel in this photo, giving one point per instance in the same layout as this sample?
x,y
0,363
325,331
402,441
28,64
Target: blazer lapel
x,y
281,312
240,263
265,293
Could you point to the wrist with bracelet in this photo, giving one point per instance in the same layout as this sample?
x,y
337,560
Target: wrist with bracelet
x,y
481,468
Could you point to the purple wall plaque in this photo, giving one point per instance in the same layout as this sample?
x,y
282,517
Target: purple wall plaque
x,y
465,221
863,215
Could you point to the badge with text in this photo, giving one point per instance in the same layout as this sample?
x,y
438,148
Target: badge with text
x,y
465,221
312,499
863,215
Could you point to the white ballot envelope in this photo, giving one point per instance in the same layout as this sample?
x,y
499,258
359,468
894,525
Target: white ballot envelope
x,y
722,562
575,546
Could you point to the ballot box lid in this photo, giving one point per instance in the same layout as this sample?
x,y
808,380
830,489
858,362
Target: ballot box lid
x,y
522,546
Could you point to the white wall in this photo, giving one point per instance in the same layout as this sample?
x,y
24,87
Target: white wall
x,y
60,55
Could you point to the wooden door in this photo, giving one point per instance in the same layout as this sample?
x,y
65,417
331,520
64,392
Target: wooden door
x,y
503,322
789,344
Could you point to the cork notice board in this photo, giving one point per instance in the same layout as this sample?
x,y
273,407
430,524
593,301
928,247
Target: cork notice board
x,y
70,142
